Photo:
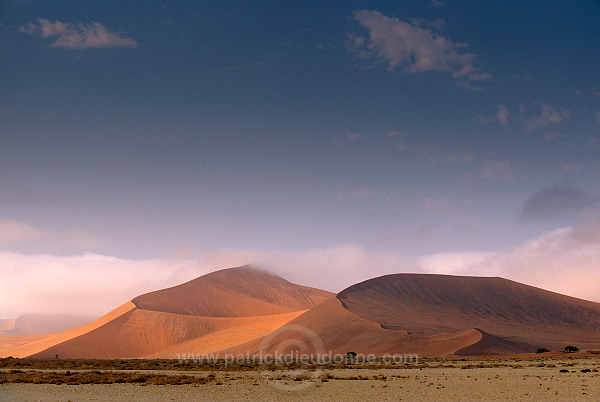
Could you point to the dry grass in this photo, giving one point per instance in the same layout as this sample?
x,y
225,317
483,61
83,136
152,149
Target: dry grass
x,y
99,377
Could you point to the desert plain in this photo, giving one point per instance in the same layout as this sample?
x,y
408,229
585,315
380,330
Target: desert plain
x,y
572,377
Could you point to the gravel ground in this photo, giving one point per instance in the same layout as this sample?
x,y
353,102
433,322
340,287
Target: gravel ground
x,y
506,383
442,384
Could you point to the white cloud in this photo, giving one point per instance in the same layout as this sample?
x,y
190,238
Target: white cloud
x,y
394,136
564,260
353,136
496,171
502,116
415,49
78,36
549,115
438,154
88,284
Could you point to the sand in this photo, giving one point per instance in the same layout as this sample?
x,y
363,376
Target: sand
x,y
497,380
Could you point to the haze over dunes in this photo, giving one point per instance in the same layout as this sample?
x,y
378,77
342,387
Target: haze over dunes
x,y
246,310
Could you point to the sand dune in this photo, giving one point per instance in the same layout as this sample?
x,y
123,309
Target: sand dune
x,y
438,315
140,333
245,310
431,304
213,312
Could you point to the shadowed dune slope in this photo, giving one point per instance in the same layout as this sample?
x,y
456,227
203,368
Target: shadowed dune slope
x,y
331,329
425,304
234,292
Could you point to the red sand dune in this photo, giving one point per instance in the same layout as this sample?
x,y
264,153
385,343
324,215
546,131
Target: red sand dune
x,y
426,304
244,310
438,315
213,312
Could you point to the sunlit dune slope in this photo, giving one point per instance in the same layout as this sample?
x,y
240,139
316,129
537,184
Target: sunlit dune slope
x,y
140,333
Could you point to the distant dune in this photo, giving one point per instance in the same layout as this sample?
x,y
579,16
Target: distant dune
x,y
33,324
246,310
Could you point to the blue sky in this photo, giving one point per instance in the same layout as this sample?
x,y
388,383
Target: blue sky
x,y
162,130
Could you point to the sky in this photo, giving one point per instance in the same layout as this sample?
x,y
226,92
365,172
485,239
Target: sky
x,y
143,144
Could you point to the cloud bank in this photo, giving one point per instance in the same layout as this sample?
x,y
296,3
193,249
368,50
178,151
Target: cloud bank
x,y
564,260
412,48
78,36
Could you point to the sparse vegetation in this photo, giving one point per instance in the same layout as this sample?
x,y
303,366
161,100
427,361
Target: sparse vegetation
x,y
571,349
542,350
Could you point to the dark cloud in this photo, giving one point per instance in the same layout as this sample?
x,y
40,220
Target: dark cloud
x,y
557,201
